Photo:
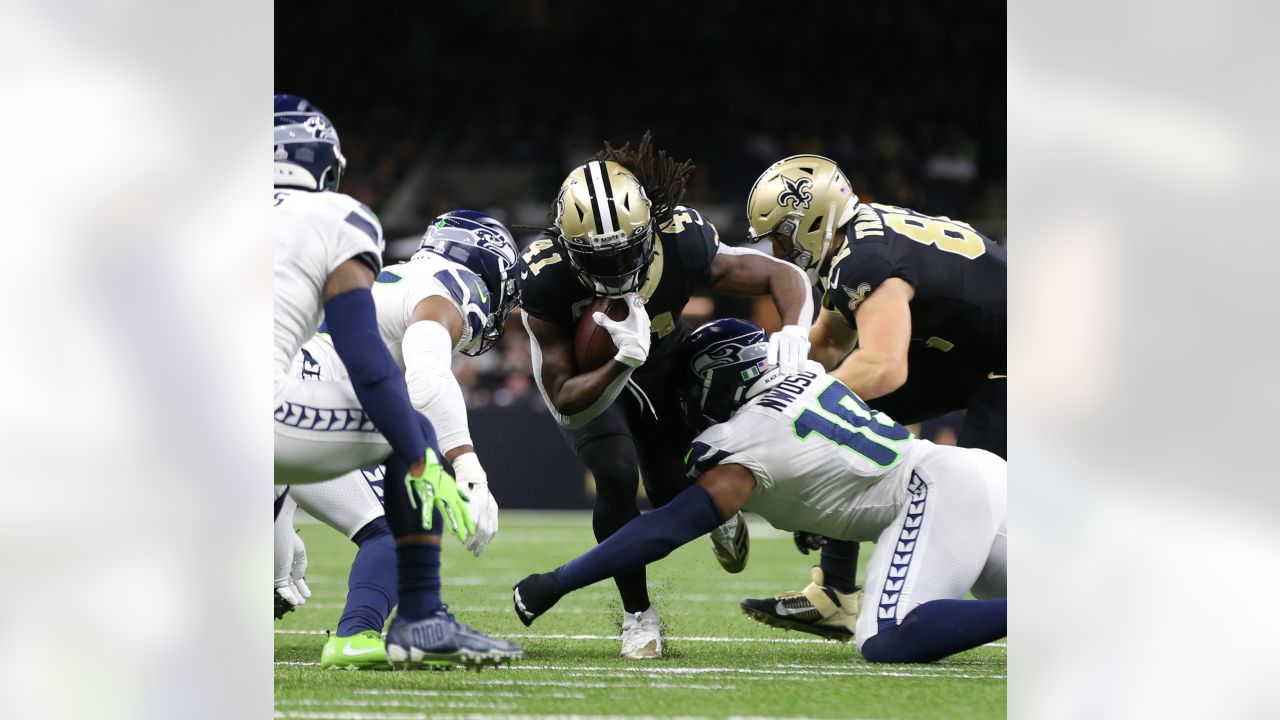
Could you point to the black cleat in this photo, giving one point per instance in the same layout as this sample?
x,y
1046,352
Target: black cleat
x,y
816,610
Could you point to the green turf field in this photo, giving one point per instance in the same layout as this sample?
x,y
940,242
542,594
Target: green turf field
x,y
718,663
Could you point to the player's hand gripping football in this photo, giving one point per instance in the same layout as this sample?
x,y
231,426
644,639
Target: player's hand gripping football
x,y
788,349
631,336
435,489
473,481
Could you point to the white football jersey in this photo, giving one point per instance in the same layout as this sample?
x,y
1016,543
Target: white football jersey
x,y
314,233
401,287
823,461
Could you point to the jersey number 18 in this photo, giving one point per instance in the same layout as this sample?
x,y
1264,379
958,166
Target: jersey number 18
x,y
849,423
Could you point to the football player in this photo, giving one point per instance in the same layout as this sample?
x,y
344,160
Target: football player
x,y
453,295
620,231
806,453
327,252
921,298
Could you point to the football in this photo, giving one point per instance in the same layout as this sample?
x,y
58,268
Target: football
x,y
592,345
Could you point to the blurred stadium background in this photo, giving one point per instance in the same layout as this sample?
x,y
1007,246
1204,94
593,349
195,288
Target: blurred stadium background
x,y
488,104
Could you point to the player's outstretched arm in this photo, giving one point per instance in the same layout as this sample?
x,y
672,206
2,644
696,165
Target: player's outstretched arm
x,y
831,339
435,328
879,365
743,271
696,511
375,377
574,398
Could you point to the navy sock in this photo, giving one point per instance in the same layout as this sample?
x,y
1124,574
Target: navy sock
x,y
419,569
648,538
371,586
417,564
937,629
839,565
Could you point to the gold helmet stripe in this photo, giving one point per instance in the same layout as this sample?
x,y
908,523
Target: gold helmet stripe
x,y
601,192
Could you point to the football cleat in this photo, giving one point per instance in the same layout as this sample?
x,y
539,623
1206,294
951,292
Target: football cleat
x,y
354,652
817,610
441,641
641,635
731,543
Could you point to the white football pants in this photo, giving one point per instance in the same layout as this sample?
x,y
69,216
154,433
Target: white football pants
x,y
949,539
320,430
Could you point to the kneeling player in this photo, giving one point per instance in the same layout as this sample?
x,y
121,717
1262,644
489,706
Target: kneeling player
x,y
806,453
913,322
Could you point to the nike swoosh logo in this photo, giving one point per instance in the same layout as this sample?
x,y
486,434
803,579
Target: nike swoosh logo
x,y
483,298
346,650
524,274
786,612
994,376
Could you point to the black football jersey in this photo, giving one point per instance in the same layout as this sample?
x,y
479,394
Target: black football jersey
x,y
683,250
957,272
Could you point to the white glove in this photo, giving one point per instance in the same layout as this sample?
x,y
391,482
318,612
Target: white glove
x,y
788,349
299,571
630,336
287,594
291,590
474,482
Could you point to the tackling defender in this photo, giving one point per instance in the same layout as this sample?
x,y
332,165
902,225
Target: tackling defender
x,y
453,296
921,298
807,454
620,232
327,252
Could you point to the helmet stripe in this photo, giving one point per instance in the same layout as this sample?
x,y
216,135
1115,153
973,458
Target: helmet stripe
x,y
612,206
600,190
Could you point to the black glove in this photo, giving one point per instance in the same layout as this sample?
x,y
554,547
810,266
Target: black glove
x,y
535,595
806,541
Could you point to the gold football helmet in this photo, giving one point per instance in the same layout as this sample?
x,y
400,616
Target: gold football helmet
x,y
605,225
801,201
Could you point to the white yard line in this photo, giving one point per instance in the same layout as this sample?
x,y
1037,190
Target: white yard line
x,y
472,693
757,673
450,704
674,638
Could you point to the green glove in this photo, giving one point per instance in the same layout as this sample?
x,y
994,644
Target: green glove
x,y
436,489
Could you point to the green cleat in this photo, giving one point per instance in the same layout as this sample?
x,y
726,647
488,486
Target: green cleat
x,y
354,652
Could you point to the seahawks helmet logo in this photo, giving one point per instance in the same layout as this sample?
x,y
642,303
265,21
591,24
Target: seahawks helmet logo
x,y
796,193
730,351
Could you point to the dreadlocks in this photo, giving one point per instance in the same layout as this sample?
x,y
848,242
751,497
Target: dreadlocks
x,y
664,180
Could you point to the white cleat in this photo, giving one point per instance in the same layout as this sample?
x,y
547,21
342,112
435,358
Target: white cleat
x,y
641,635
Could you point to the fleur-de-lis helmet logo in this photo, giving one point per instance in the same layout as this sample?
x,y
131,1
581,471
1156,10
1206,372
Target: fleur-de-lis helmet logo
x,y
795,193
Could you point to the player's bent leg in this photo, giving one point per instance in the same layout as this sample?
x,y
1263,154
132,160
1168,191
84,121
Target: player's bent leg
x,y
424,633
930,556
612,462
349,505
938,628
321,433
817,609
